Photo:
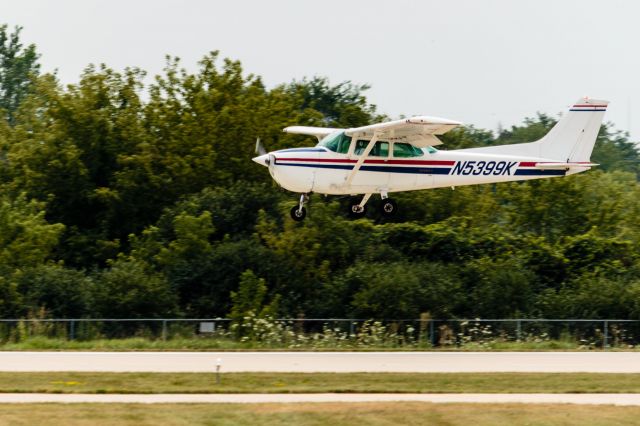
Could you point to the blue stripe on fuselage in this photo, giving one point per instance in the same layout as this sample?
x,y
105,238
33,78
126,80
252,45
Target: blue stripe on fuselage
x,y
534,172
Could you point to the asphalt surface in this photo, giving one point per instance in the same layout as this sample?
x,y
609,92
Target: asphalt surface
x,y
614,399
338,362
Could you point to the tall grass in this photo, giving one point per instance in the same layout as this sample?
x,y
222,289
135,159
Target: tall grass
x,y
268,334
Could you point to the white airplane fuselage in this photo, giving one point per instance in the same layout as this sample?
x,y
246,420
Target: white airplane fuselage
x,y
320,170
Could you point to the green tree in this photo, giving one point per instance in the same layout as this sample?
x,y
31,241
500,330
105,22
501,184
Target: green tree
x,y
18,66
498,288
532,130
26,238
65,150
466,137
130,289
402,290
341,105
249,305
592,297
61,292
614,151
250,299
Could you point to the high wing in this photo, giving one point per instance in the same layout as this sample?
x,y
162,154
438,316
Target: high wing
x,y
419,131
318,132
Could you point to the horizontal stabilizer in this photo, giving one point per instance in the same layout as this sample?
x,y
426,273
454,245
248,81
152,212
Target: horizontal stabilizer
x,y
560,166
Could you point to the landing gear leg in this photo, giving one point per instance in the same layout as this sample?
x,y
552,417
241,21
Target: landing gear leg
x,y
299,212
358,210
388,207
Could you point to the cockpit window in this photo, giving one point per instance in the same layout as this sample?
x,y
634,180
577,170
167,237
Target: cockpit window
x,y
431,150
403,150
380,149
336,142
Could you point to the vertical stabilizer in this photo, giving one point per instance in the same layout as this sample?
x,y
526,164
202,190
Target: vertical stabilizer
x,y
573,137
570,140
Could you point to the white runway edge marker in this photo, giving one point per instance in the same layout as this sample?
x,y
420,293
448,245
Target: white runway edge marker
x,y
591,399
324,362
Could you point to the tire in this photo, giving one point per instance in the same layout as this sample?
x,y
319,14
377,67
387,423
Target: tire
x,y
388,207
354,213
298,214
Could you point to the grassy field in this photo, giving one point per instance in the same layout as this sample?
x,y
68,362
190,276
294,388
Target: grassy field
x,y
56,382
316,414
207,344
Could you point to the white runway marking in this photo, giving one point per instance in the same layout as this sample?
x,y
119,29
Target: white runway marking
x,y
334,362
610,399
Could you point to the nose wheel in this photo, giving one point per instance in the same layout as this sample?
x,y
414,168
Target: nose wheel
x,y
299,212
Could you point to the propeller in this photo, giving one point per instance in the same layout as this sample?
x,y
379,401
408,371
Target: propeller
x,y
260,148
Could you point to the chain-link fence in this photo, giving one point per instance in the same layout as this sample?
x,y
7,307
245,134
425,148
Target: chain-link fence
x,y
327,332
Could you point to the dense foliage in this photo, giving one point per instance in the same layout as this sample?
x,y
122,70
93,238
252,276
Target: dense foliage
x,y
125,200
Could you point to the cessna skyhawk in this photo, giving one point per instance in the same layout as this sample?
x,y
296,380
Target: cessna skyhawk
x,y
400,156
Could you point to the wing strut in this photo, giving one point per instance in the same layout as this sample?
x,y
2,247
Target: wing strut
x,y
363,157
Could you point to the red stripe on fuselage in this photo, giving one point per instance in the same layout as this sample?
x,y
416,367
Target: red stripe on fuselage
x,y
533,163
348,161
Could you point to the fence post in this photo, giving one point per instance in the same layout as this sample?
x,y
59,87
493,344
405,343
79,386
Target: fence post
x,y
164,330
518,330
606,335
72,330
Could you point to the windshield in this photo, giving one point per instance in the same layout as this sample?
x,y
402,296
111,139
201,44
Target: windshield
x,y
336,142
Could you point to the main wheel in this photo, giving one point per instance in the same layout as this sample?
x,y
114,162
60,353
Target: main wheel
x,y
298,213
356,212
388,207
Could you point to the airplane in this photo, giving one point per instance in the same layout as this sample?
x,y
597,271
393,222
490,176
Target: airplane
x,y
399,155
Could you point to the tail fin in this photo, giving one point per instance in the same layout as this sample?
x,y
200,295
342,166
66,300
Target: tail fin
x,y
570,140
573,137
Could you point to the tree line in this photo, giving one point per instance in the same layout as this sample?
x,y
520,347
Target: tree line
x,y
121,198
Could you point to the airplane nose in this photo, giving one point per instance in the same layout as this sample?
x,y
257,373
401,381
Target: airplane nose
x,y
263,160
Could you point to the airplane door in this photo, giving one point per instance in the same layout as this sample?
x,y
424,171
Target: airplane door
x,y
373,175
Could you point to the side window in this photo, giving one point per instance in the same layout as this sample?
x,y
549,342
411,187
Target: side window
x,y
360,147
380,149
343,145
403,150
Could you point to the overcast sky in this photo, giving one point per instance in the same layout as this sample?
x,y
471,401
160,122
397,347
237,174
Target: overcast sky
x,y
483,62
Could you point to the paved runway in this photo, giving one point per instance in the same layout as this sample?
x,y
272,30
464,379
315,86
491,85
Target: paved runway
x,y
615,399
419,362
